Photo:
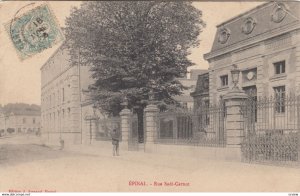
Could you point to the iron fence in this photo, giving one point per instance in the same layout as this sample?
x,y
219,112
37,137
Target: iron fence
x,y
202,127
271,130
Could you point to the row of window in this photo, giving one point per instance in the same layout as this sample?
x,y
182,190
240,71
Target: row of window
x,y
53,115
279,68
279,92
51,99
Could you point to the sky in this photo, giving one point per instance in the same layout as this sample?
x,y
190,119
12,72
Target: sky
x,y
20,81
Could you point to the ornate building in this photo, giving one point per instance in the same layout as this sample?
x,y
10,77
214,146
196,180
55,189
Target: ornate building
x,y
265,45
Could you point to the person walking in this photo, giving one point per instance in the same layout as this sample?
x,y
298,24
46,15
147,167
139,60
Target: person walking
x,y
62,143
115,142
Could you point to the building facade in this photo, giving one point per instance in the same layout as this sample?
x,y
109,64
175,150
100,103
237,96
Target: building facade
x,y
60,99
201,94
264,43
20,122
65,102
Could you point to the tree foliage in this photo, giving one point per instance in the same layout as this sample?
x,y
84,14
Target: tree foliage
x,y
133,48
20,108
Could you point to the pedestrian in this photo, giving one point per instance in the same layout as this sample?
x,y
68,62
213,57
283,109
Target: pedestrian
x,y
115,142
62,143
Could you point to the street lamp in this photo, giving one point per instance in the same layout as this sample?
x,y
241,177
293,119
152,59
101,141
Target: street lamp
x,y
235,92
235,74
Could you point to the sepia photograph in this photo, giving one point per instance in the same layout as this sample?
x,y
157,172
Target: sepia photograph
x,y
149,96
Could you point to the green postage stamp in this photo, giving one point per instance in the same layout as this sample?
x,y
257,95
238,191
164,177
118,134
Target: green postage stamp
x,y
34,31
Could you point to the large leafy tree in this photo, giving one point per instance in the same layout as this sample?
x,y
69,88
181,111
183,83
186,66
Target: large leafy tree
x,y
134,49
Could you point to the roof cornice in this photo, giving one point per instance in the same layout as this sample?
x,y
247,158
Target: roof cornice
x,y
253,40
245,13
54,53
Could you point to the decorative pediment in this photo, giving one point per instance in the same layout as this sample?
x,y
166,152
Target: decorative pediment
x,y
261,23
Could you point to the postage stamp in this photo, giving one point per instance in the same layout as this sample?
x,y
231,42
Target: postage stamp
x,y
34,31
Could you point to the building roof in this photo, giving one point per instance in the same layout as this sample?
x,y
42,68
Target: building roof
x,y
262,16
195,72
27,113
202,86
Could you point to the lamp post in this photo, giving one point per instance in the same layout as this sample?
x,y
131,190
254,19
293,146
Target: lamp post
x,y
235,91
235,74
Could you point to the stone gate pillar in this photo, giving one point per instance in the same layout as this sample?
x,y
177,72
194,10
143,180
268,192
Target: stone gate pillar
x,y
151,112
234,123
125,126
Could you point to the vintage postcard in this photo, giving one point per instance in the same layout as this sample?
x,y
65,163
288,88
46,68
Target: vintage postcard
x,y
149,96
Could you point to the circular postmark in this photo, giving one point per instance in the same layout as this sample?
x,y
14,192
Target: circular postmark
x,y
33,29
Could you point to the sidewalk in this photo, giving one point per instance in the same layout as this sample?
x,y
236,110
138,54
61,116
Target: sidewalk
x,y
202,173
104,149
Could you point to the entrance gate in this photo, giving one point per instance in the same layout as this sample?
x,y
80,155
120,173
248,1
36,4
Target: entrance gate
x,y
133,143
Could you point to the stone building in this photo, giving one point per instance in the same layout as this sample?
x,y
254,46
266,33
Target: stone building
x,y
201,94
185,99
65,105
264,43
68,111
20,121
60,99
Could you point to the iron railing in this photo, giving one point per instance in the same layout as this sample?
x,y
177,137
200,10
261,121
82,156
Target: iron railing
x,y
202,127
271,130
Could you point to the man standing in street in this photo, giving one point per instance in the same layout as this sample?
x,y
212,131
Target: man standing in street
x,y
115,142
